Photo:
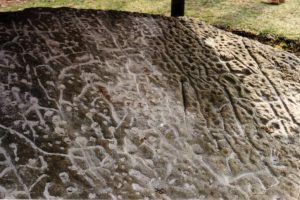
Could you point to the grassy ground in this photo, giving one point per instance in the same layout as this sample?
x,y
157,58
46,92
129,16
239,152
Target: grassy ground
x,y
250,15
247,15
147,6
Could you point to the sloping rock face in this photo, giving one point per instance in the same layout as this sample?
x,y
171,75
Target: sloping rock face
x,y
113,105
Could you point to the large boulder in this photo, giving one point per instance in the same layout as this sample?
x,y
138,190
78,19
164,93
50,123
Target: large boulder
x,y
106,104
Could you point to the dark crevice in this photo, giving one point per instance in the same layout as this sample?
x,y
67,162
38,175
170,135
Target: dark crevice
x,y
183,94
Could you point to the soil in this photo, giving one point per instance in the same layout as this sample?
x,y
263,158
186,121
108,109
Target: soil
x,y
5,3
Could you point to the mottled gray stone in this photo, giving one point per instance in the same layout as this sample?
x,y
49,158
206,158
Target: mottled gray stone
x,y
103,104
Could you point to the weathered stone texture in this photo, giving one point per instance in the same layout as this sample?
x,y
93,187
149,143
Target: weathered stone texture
x,y
97,104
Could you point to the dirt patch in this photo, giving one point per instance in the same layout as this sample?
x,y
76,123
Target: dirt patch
x,y
5,3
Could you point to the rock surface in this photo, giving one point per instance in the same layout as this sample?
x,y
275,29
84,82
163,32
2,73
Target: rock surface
x,y
113,105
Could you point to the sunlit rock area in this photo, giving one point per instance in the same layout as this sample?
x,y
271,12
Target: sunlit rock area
x,y
115,105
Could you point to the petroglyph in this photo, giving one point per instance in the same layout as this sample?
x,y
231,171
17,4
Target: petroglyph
x,y
114,105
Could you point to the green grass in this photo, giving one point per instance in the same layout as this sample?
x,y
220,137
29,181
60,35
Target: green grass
x,y
249,15
146,6
246,15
